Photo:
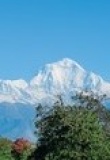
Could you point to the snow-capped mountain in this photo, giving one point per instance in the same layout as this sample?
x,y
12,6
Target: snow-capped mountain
x,y
18,98
57,78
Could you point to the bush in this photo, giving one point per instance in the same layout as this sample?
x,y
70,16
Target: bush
x,y
5,149
21,149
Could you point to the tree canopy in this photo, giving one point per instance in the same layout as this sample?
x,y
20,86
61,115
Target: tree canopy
x,y
74,132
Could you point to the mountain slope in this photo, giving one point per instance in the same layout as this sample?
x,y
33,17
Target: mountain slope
x,y
56,78
18,98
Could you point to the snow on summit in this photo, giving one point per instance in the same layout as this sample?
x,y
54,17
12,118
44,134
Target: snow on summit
x,y
59,77
18,98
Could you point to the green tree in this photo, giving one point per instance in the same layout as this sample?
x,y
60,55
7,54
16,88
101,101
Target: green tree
x,y
5,149
74,132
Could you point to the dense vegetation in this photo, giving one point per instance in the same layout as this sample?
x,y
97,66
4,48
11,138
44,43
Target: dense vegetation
x,y
80,131
17,150
75,132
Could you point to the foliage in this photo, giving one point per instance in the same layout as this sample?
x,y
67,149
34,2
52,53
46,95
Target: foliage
x,y
77,132
21,149
18,150
5,149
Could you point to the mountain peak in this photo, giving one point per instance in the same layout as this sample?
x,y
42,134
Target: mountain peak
x,y
65,78
59,77
66,63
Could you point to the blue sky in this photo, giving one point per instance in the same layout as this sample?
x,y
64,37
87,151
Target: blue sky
x,y
36,32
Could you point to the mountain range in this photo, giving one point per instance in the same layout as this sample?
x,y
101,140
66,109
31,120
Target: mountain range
x,y
19,98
